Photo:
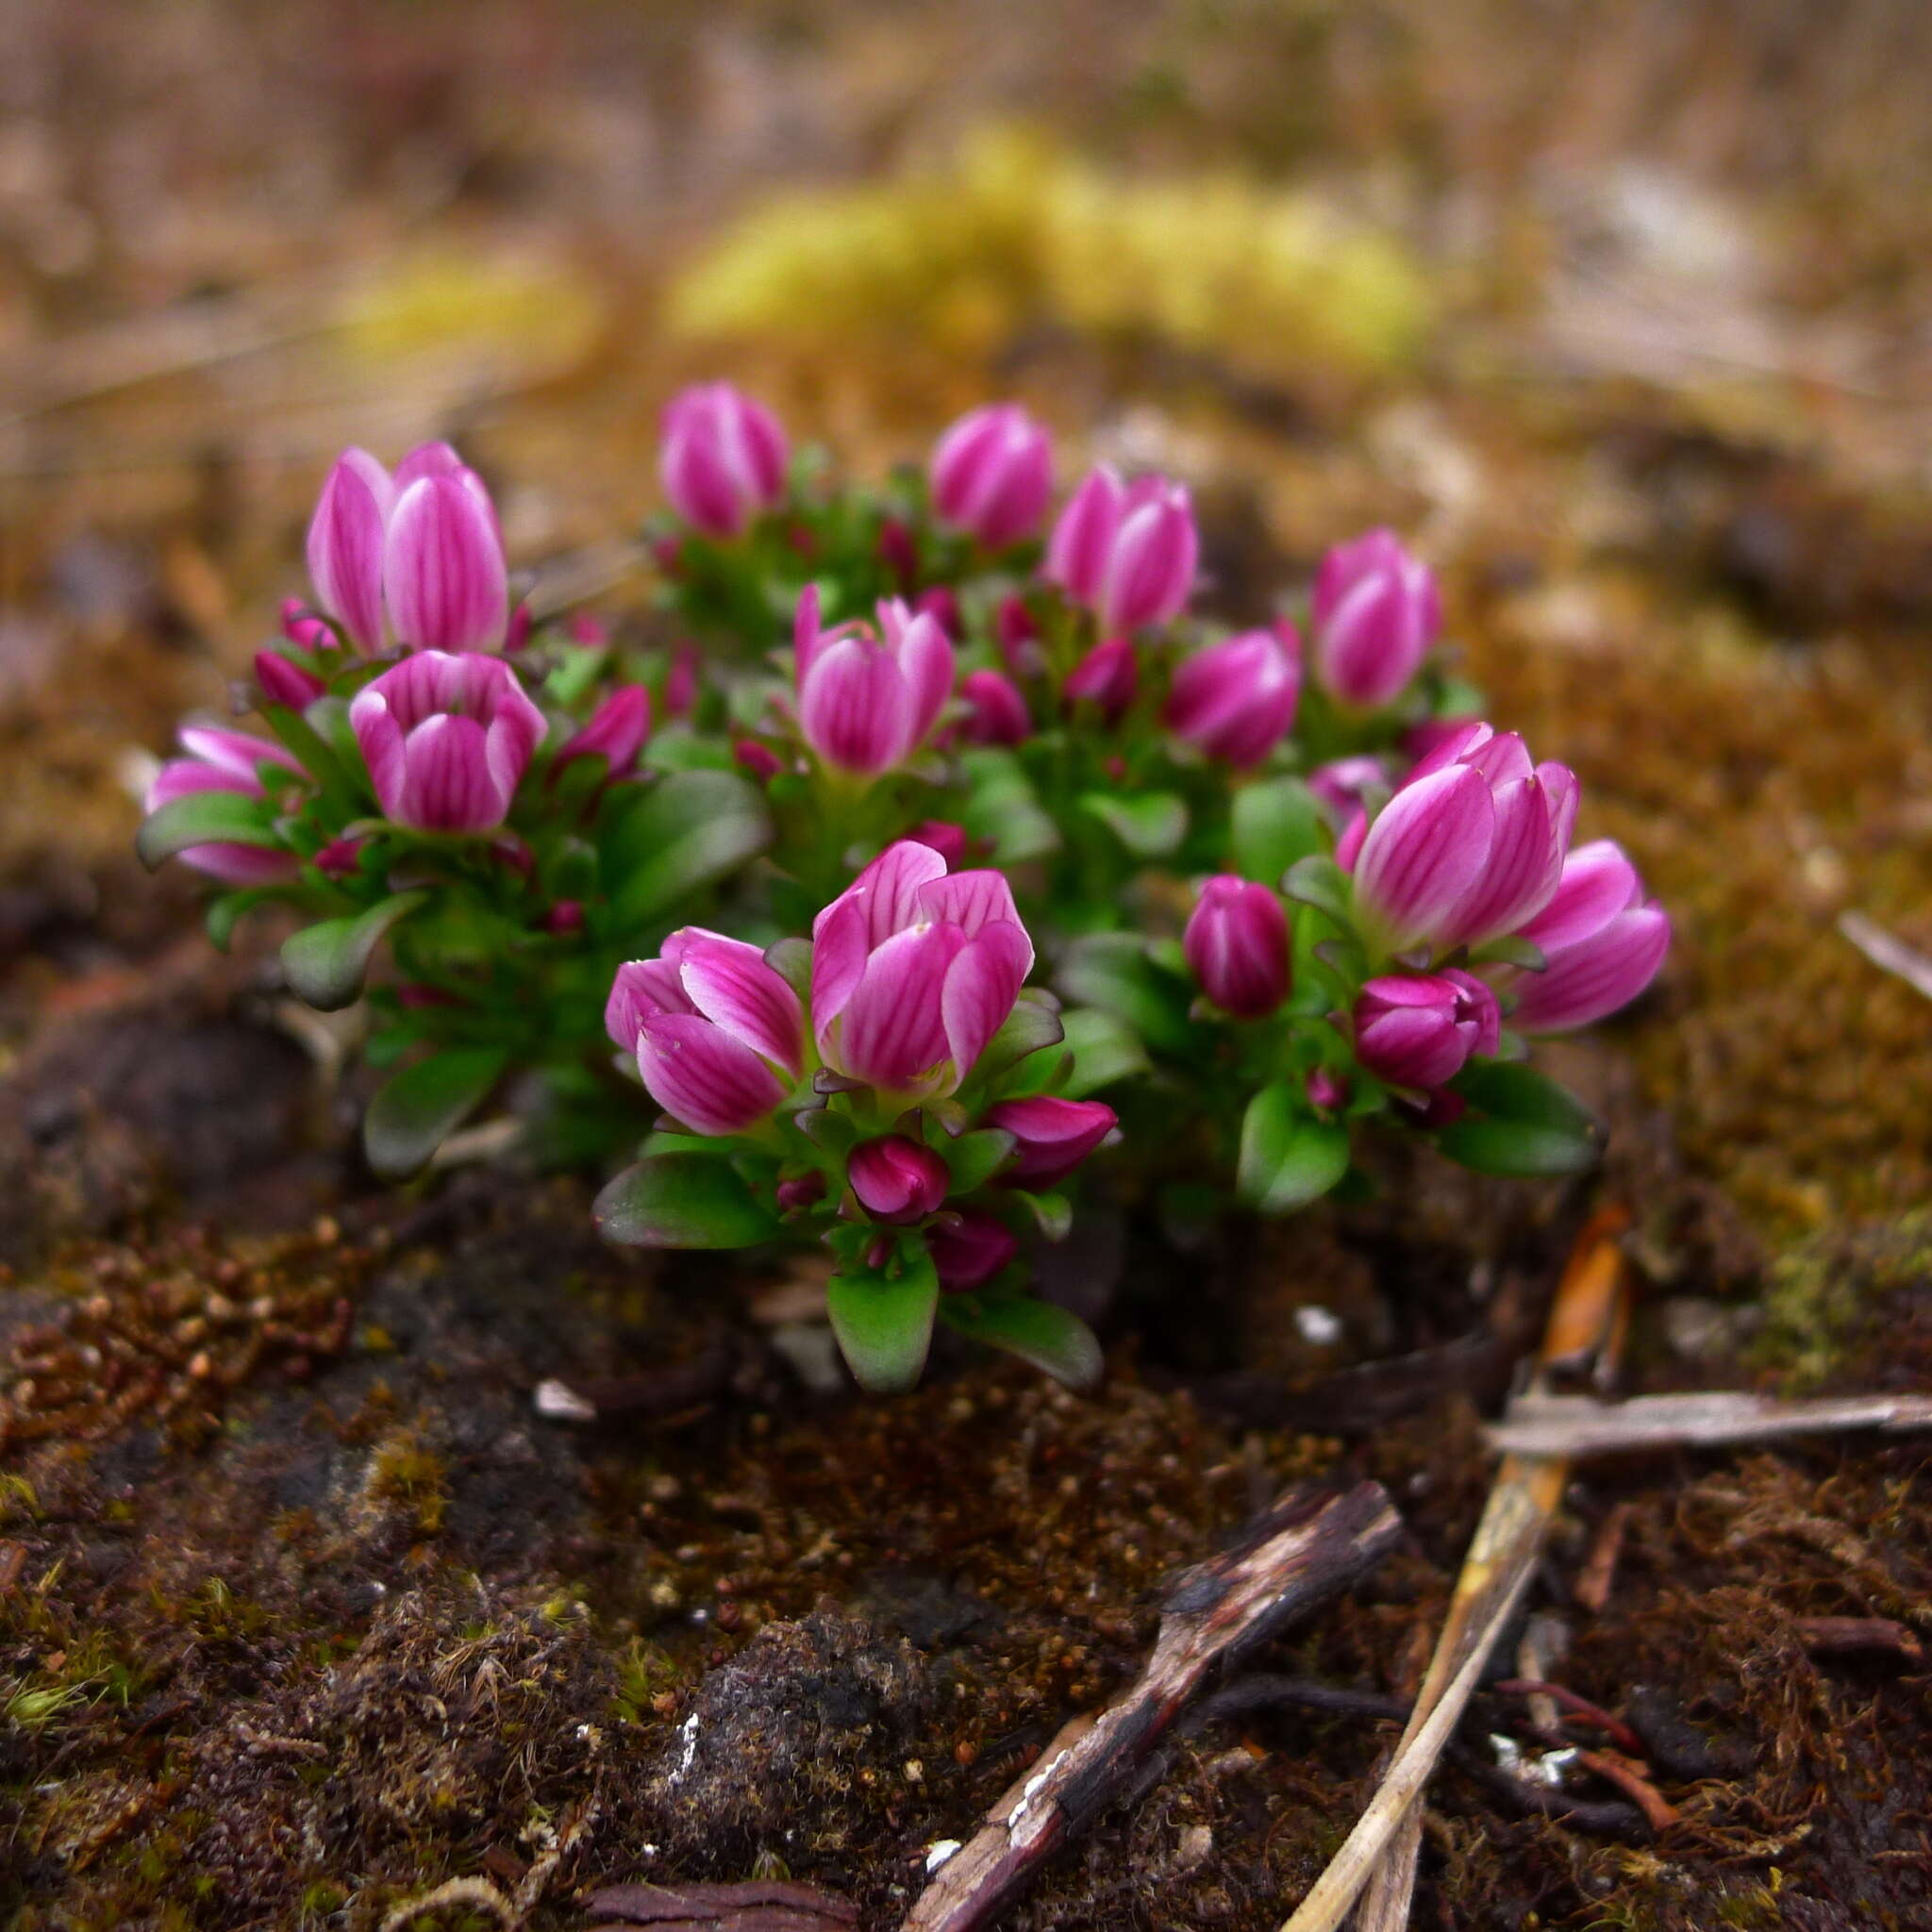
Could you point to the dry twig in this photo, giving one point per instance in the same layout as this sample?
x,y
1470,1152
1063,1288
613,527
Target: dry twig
x,y
1541,1424
1309,1549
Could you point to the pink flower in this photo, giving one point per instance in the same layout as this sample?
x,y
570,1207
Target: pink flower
x,y
284,682
1236,943
222,760
1419,1031
724,458
864,704
712,1027
447,738
1052,1136
1236,700
991,475
897,1180
1127,551
1108,676
1341,783
1602,941
1017,636
615,731
1469,847
913,972
996,712
1376,613
968,1248
421,550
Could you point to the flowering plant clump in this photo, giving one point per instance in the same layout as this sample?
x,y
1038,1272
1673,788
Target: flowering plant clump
x,y
921,855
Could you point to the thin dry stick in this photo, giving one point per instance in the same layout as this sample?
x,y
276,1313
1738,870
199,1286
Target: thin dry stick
x,y
1537,1424
1309,1549
1586,1322
1889,955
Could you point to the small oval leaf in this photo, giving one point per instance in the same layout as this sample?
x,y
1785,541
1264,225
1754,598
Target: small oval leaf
x,y
414,1111
682,1200
325,963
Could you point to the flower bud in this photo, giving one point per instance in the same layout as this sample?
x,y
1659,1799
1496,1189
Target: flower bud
x,y
866,702
615,731
301,625
1108,676
1236,700
722,461
1236,943
897,1180
1127,551
1376,613
1052,1136
996,713
222,760
804,1190
1017,636
968,1248
991,475
939,604
283,682
1419,1030
1341,783
448,739
681,680
948,839
1601,943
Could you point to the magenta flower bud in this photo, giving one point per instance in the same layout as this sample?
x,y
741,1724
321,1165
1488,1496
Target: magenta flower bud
x,y
1236,700
285,683
944,608
446,738
222,760
301,626
804,1190
565,917
1326,1089
1341,783
996,713
897,1180
1017,636
1108,676
346,540
865,702
443,575
713,1025
949,841
1376,613
1414,1030
992,474
914,970
723,461
1423,740
1236,943
681,681
761,760
615,732
516,632
899,553
1127,551
1052,1136
1471,846
587,628
1601,940
968,1248
340,859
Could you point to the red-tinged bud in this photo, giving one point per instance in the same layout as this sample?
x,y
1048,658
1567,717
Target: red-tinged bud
x,y
587,628
1017,636
681,681
761,760
413,995
1127,551
996,713
285,683
969,1248
1109,677
949,841
1236,700
897,1180
991,475
1236,943
723,461
565,917
1375,614
1327,1091
1421,1029
615,732
805,1190
899,553
340,859
943,607
1052,1136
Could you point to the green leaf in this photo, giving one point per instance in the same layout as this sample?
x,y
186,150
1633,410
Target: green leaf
x,y
682,1200
315,755
884,1327
1033,1024
1318,881
1038,1332
973,1159
1519,1123
683,833
1111,971
224,913
415,1110
1001,807
325,963
1509,951
1287,1158
791,960
1053,1213
1151,825
1104,1049
206,818
682,750
1274,825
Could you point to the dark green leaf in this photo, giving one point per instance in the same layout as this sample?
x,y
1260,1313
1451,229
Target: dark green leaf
x,y
315,755
1038,1332
1034,1023
206,818
1510,951
1151,825
973,1159
1001,807
414,1111
1519,1123
683,833
1275,824
682,1200
1053,1213
884,1327
1318,881
325,963
1111,971
1287,1158
1104,1049
791,960
226,912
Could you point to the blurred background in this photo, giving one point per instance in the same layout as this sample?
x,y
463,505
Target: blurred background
x,y
1620,311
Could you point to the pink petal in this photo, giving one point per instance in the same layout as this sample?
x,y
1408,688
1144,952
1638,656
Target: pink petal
x,y
427,459
1587,981
702,1077
981,984
445,575
345,546
1597,883
447,785
839,952
892,1033
639,988
926,663
1077,554
854,707
1520,872
731,986
891,889
1422,854
972,900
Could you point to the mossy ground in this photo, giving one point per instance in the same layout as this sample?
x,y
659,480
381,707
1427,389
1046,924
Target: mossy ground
x,y
304,1611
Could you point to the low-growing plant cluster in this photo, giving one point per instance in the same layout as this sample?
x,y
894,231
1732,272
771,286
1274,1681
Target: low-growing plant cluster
x,y
921,855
